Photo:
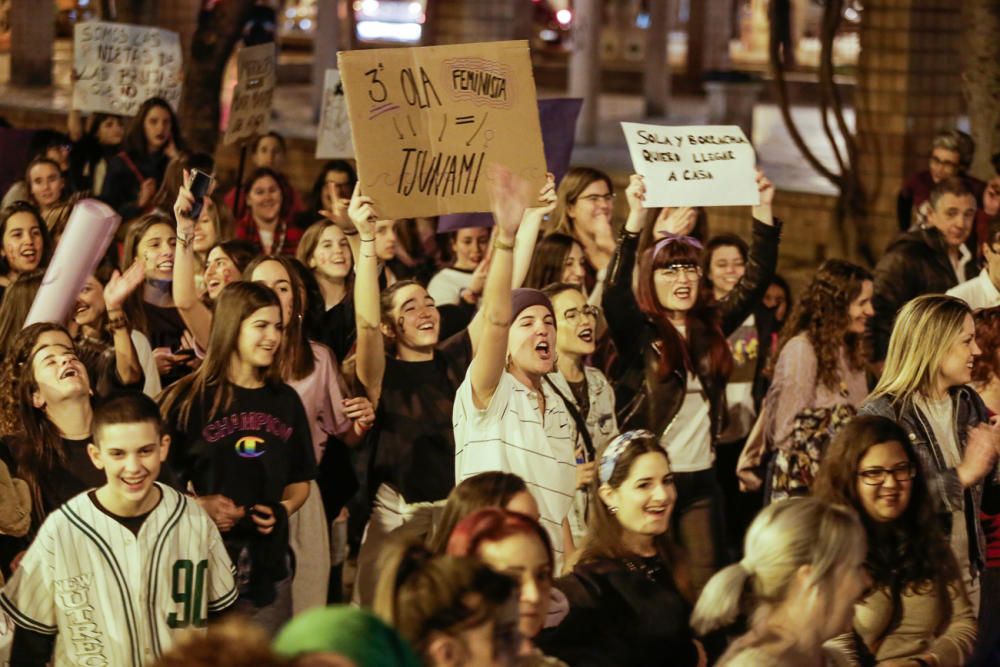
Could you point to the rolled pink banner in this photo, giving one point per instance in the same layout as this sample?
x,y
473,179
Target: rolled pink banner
x,y
89,231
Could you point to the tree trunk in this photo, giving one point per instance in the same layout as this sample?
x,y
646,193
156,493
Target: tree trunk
x,y
981,79
217,33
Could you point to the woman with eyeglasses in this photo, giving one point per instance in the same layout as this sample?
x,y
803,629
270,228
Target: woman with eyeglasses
x,y
675,361
924,388
819,372
917,611
586,390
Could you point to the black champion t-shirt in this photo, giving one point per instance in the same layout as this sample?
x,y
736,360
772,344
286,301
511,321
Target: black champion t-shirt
x,y
414,442
248,452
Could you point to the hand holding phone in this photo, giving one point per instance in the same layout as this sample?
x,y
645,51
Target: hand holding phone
x,y
200,182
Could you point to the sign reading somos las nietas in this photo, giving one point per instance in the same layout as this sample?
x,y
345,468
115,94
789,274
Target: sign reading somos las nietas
x,y
698,165
427,121
116,67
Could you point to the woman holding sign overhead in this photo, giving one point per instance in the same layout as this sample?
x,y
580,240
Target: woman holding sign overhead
x,y
675,359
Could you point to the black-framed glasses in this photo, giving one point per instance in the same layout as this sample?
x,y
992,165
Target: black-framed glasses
x,y
573,313
593,199
673,272
904,472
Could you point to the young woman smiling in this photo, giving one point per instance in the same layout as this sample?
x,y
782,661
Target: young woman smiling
x,y
924,388
266,222
918,611
469,246
675,358
819,367
326,252
25,242
628,596
250,474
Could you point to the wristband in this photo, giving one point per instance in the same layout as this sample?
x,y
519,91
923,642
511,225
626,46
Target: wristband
x,y
371,240
117,323
183,240
500,245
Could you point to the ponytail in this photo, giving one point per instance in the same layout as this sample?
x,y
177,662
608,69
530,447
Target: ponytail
x,y
722,600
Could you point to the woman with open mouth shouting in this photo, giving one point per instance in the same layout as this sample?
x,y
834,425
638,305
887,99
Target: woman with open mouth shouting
x,y
925,389
917,610
675,358
414,385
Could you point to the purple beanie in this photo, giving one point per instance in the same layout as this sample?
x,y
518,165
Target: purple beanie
x,y
524,297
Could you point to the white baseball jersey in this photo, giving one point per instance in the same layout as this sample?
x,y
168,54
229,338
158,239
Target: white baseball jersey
x,y
114,598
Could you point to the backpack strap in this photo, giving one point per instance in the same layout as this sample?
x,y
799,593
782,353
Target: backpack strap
x,y
581,424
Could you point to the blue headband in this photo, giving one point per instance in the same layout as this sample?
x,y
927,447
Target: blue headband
x,y
669,238
614,450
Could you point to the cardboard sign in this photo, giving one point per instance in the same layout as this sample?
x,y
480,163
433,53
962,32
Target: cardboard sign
x,y
117,67
89,231
698,165
334,137
558,119
250,112
427,121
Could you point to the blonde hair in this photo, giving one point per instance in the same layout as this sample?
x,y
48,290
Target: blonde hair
x,y
785,536
924,330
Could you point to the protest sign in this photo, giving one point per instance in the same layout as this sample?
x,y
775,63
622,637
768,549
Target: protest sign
x,y
427,121
698,165
558,120
89,231
250,112
334,137
117,67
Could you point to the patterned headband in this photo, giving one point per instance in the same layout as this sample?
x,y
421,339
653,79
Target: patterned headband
x,y
668,238
614,450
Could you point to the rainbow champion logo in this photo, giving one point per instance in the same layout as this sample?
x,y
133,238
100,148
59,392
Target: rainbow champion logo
x,y
247,447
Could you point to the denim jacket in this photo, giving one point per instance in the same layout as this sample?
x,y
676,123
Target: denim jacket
x,y
942,482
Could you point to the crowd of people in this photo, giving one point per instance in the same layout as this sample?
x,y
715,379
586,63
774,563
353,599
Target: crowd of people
x,y
332,438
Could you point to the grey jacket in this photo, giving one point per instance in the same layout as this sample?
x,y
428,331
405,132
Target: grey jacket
x,y
942,482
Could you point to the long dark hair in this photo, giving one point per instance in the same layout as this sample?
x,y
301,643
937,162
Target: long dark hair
x,y
134,307
487,489
286,200
16,305
236,302
297,359
47,245
605,534
909,553
549,260
135,135
37,441
316,196
702,320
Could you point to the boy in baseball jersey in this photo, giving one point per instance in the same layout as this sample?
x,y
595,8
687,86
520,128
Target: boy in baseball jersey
x,y
116,573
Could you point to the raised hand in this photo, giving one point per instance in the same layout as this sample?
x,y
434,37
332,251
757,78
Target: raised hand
x,y
508,200
635,193
679,220
182,207
362,213
122,284
762,211
547,199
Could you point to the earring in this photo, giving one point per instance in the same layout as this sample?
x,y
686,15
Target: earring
x,y
613,510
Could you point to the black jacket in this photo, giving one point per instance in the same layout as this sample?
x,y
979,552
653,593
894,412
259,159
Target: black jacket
x,y
121,183
644,401
916,263
621,617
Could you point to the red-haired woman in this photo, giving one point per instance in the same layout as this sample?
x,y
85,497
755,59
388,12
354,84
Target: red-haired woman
x,y
675,360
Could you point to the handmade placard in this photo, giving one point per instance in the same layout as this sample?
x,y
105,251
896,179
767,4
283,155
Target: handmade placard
x,y
333,139
250,112
427,121
117,67
697,165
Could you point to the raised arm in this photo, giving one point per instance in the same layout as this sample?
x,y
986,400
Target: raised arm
x,y
524,248
620,308
761,263
127,365
508,200
196,315
370,358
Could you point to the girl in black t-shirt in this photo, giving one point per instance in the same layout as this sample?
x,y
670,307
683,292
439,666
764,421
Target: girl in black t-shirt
x,y
241,442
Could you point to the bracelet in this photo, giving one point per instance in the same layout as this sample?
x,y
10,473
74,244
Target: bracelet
x,y
117,323
371,240
351,233
183,240
500,245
